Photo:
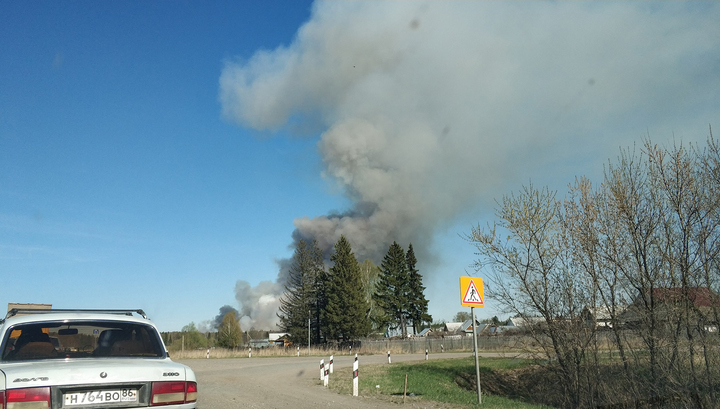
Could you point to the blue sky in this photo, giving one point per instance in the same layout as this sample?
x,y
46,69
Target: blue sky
x,y
156,154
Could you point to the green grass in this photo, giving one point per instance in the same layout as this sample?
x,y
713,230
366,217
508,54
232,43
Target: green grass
x,y
435,380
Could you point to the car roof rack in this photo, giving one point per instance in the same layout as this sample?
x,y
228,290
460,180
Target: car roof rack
x,y
26,311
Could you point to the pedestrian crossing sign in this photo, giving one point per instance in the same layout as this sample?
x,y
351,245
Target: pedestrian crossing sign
x,y
471,292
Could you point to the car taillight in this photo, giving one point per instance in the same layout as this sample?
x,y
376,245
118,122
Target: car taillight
x,y
28,398
170,393
191,395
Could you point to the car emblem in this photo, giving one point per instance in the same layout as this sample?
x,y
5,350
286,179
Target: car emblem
x,y
103,375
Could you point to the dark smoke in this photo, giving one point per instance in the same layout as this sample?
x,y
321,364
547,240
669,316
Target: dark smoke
x,y
224,310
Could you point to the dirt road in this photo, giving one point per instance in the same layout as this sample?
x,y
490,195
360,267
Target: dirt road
x,y
283,382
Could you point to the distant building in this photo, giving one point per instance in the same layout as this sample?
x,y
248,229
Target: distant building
x,y
279,339
259,343
424,332
397,332
600,317
520,322
703,302
467,327
462,328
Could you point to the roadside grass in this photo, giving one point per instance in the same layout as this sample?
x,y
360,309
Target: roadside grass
x,y
435,380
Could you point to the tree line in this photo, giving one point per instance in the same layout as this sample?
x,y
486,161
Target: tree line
x,y
350,300
641,250
228,335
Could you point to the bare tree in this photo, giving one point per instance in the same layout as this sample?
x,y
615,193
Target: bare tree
x,y
641,249
533,276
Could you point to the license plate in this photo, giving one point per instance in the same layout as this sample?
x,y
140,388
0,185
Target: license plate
x,y
103,396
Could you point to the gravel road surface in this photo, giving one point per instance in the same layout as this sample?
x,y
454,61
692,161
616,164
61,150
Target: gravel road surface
x,y
292,382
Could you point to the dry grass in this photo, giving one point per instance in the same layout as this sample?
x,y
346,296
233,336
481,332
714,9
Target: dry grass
x,y
441,381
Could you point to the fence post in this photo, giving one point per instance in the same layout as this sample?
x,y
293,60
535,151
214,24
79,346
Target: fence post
x,y
322,369
405,389
355,376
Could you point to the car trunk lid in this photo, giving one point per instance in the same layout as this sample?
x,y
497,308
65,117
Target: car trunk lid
x,y
91,372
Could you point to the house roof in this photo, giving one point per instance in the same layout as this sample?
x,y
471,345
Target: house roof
x,y
274,336
602,312
700,296
453,326
468,327
523,322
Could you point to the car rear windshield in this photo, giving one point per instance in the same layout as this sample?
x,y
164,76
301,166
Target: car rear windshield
x,y
87,339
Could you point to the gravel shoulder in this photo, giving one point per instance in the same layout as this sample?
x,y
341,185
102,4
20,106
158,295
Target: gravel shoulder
x,y
287,382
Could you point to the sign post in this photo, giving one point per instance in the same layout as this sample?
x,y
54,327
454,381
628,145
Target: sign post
x,y
472,295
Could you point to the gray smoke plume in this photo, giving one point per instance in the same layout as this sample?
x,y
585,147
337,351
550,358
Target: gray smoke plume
x,y
428,111
258,305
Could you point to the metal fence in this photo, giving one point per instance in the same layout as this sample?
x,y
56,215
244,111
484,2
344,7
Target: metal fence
x,y
439,345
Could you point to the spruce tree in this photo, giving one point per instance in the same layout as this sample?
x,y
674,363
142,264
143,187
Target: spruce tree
x,y
370,274
319,283
393,290
418,304
345,313
302,293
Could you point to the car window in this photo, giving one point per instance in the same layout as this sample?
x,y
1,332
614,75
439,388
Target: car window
x,y
51,340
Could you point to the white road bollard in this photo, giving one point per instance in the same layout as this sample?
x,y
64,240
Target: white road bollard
x,y
389,360
442,348
249,352
298,349
208,354
355,376
327,378
426,354
331,363
322,369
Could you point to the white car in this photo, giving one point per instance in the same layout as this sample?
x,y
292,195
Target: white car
x,y
85,359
